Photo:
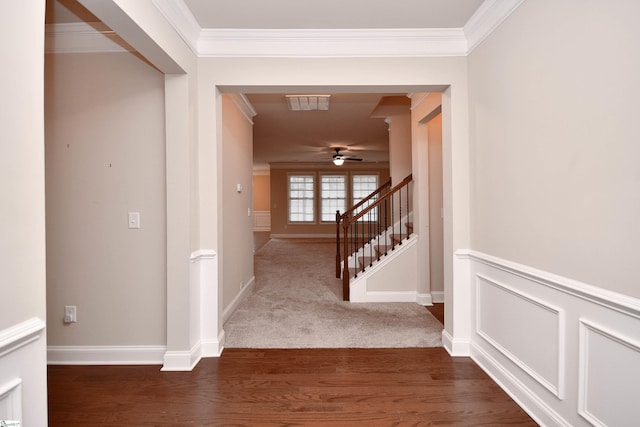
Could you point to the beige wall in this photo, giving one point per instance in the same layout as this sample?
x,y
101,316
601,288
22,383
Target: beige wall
x,y
428,181
105,157
400,146
554,111
279,200
261,192
436,230
236,254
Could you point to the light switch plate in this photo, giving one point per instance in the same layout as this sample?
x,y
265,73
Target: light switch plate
x,y
134,219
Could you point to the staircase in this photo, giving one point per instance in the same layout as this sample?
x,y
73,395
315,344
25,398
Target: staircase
x,y
371,230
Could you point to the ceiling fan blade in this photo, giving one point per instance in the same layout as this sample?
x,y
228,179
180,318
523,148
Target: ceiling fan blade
x,y
353,159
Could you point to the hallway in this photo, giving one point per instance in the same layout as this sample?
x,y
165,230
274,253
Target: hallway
x,y
297,303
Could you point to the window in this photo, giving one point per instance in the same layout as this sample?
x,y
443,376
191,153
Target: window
x,y
301,198
333,196
362,186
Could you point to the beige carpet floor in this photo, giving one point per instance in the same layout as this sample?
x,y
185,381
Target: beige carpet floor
x,y
297,303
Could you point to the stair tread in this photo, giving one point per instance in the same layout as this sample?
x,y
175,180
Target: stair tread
x,y
366,260
383,248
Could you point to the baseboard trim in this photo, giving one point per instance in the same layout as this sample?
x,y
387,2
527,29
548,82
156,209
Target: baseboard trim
x,y
455,347
213,348
228,311
537,409
182,360
424,299
438,297
105,355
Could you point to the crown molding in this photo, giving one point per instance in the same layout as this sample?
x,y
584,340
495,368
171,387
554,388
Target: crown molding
x,y
486,19
293,43
244,105
182,20
83,38
301,43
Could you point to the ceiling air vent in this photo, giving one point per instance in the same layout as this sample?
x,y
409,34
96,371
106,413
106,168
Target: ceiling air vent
x,y
308,102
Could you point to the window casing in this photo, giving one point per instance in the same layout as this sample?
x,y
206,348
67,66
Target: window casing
x,y
301,198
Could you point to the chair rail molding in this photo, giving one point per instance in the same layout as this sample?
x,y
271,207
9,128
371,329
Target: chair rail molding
x,y
566,351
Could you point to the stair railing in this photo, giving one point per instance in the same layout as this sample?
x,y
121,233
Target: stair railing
x,y
372,232
341,217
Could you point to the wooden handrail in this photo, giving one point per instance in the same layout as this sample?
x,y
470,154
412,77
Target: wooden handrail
x,y
366,199
379,201
348,221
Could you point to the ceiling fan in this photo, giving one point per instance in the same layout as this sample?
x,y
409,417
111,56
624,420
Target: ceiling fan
x,y
338,159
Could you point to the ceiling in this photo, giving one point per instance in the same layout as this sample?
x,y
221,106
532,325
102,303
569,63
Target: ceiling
x,y
319,14
281,135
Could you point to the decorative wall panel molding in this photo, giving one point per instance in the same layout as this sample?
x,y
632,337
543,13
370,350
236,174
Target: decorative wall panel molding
x,y
539,351
609,376
261,220
567,352
11,400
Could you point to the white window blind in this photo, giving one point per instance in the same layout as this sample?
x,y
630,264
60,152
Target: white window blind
x,y
333,196
362,186
301,198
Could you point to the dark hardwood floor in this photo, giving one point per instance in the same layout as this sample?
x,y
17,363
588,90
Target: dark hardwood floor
x,y
437,309
312,387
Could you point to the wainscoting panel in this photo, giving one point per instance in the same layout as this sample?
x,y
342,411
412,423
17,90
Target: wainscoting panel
x,y
261,220
538,351
608,380
566,351
23,379
11,400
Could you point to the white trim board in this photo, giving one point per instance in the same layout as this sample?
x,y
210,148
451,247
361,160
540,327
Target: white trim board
x,y
20,335
105,355
246,290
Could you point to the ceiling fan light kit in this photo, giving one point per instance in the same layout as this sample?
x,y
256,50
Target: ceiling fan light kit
x,y
338,159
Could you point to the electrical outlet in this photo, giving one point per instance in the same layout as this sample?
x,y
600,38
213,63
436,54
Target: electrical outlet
x,y
70,314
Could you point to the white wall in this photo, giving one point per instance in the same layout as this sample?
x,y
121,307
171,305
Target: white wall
x,y
23,376
552,275
236,255
105,156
